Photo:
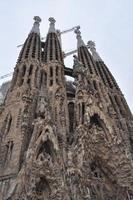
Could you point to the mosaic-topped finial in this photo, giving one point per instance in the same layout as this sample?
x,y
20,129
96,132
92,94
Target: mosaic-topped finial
x,y
35,28
52,25
79,38
92,46
37,19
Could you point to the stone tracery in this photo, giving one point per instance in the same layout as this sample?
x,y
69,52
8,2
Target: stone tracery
x,y
64,142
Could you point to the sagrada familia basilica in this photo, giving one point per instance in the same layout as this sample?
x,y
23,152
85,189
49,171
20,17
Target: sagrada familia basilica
x,y
64,140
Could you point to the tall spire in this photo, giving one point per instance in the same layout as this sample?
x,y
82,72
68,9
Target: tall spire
x,y
92,48
52,25
84,55
79,38
52,49
35,28
32,45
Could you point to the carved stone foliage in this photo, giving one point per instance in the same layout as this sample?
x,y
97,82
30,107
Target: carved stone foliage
x,y
59,142
43,108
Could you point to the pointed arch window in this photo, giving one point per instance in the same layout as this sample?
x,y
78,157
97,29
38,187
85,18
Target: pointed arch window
x,y
45,78
7,124
22,75
29,75
36,77
83,112
51,72
95,85
51,46
23,70
57,69
30,70
79,111
94,65
51,82
29,42
40,53
34,47
51,75
71,116
41,79
88,62
56,50
57,74
102,75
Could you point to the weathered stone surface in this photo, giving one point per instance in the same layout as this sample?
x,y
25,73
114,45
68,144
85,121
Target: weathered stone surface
x,y
61,140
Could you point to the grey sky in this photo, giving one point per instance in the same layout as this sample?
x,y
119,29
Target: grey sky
x,y
108,22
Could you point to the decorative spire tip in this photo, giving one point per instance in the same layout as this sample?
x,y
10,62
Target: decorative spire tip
x,y
52,20
79,38
37,19
52,25
35,28
92,46
77,31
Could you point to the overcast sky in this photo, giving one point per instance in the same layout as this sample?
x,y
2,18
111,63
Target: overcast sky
x,y
108,22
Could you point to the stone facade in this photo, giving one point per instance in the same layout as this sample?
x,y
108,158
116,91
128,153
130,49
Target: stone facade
x,y
63,140
3,91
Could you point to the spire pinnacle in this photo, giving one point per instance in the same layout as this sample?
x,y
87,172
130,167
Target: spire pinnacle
x,y
91,45
35,28
52,25
79,38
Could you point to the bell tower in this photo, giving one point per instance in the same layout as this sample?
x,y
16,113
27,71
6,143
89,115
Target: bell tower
x,y
62,140
54,70
115,94
18,110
